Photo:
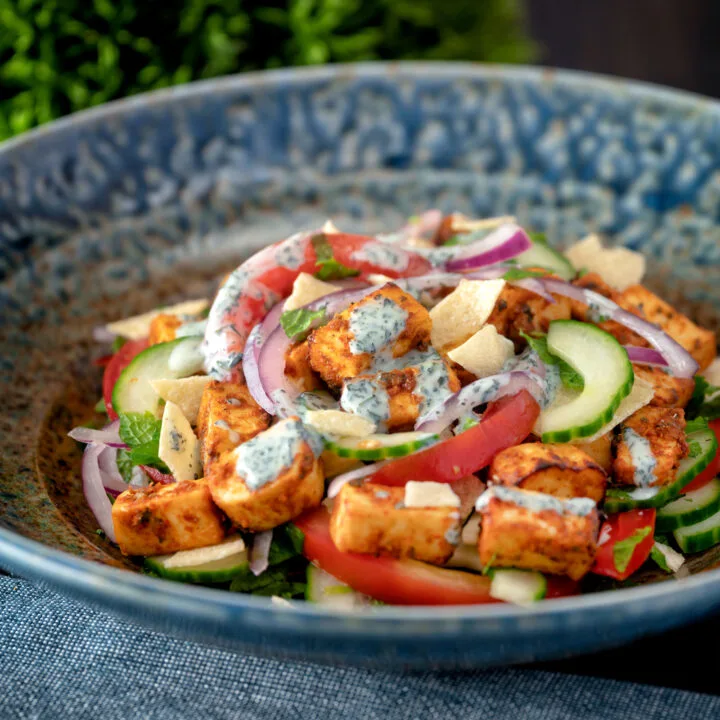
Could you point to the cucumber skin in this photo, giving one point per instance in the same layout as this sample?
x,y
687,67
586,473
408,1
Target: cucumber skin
x,y
581,431
197,577
667,494
667,523
117,401
382,452
702,541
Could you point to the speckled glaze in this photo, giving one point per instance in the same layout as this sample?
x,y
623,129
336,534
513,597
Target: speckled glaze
x,y
114,211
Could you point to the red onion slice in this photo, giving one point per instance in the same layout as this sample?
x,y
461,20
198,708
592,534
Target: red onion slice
x,y
679,360
271,363
109,435
478,393
534,285
111,477
260,552
94,490
507,242
645,356
103,335
362,472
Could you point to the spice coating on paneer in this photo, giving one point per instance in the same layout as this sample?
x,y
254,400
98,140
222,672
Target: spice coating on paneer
x,y
373,519
516,536
298,370
163,519
700,343
228,416
268,480
163,328
518,310
670,391
564,471
388,320
649,446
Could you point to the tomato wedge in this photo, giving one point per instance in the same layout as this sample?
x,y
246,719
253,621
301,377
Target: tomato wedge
x,y
712,469
400,582
506,423
119,361
626,541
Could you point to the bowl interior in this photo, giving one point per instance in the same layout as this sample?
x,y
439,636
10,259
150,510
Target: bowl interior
x,y
115,211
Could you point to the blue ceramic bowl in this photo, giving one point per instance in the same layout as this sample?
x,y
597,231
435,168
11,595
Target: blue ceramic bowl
x,y
111,211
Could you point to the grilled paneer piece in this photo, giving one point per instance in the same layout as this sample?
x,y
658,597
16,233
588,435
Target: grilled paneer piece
x,y
649,446
564,471
599,450
298,370
700,343
520,529
268,480
163,519
580,311
670,391
163,328
521,311
388,320
373,519
228,416
404,388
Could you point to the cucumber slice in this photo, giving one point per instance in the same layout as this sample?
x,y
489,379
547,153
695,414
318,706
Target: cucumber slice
x,y
520,587
607,373
631,498
171,360
542,255
214,564
700,536
690,509
324,589
377,447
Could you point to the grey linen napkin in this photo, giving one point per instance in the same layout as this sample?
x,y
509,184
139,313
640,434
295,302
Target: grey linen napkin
x,y
61,660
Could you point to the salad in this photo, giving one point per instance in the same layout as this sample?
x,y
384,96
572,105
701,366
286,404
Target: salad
x,y
452,413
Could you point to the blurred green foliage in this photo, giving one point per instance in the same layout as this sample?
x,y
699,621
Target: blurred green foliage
x,y
59,56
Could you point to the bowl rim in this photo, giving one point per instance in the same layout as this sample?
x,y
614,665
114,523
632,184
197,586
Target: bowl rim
x,y
62,569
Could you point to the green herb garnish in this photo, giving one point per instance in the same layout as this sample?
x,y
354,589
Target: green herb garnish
x,y
623,549
328,267
141,431
569,377
297,324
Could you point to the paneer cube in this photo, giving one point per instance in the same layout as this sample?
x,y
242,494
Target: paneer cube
x,y
564,471
228,416
298,370
164,519
388,320
649,447
163,328
463,312
484,353
520,311
398,396
700,343
618,266
373,519
527,530
584,313
599,449
270,479
670,391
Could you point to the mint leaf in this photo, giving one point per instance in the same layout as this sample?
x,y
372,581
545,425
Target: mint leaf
x,y
623,549
694,449
454,240
569,377
328,267
519,274
538,237
100,407
657,556
147,454
138,428
285,581
287,543
298,323
699,423
118,342
125,465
